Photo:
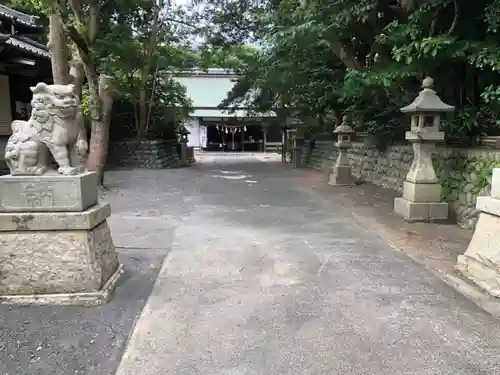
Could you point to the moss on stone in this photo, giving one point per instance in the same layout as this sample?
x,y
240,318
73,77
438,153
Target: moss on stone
x,y
464,174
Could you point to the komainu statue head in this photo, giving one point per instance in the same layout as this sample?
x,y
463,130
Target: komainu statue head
x,y
54,100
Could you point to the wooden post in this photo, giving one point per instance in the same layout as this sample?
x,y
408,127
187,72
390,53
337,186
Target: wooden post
x,y
264,130
242,139
283,145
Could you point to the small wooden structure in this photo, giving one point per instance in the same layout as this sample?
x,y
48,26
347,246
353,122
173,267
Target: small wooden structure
x,y
24,62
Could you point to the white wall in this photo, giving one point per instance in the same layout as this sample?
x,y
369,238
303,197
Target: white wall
x,y
206,91
193,125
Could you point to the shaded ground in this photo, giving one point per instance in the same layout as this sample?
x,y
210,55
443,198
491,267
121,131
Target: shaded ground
x,y
373,207
269,271
73,340
268,276
435,246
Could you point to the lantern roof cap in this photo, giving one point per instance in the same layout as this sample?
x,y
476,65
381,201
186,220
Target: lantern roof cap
x,y
344,127
183,130
427,100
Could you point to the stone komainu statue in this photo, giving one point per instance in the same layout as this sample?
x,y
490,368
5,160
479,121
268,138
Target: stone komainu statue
x,y
56,125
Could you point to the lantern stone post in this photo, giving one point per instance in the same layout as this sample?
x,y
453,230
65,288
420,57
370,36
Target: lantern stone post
x,y
421,200
290,142
481,261
183,141
298,149
341,173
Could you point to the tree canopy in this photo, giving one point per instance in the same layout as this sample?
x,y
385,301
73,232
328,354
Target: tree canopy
x,y
131,42
366,57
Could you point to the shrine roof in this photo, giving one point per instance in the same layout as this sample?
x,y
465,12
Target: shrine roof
x,y
17,16
427,101
26,45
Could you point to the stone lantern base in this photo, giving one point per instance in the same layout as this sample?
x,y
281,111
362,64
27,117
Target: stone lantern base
x,y
341,171
421,202
184,153
55,243
341,176
481,261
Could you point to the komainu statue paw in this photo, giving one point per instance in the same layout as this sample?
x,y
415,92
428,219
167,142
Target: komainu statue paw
x,y
68,171
40,171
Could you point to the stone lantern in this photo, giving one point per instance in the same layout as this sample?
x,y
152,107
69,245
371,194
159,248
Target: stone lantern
x,y
421,199
291,134
182,134
341,174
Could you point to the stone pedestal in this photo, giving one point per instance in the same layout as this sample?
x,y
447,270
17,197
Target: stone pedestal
x,y
421,200
51,193
191,158
420,211
297,151
55,243
481,261
341,173
184,156
297,157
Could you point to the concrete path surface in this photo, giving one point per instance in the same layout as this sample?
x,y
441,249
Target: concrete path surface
x,y
262,278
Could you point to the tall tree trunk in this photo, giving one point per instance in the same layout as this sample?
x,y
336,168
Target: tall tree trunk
x,y
77,76
138,129
58,47
106,96
95,117
99,133
143,112
101,105
101,99
152,97
344,55
146,72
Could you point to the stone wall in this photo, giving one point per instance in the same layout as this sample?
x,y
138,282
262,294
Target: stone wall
x,y
154,154
464,173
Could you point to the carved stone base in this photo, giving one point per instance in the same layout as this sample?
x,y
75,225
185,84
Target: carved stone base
x,y
48,257
184,157
341,176
48,193
420,211
418,192
481,261
74,299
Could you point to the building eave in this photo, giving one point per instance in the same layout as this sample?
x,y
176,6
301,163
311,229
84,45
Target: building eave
x,y
20,17
209,72
239,113
29,46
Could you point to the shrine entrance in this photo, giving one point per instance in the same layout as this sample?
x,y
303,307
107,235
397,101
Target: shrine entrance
x,y
234,136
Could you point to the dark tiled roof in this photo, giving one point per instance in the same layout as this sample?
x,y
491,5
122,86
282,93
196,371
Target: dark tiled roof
x,y
22,18
31,41
26,45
